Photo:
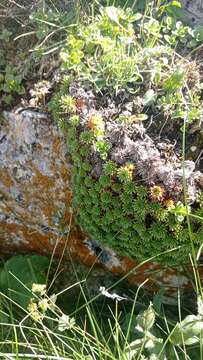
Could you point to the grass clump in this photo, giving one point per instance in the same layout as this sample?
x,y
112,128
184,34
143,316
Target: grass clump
x,y
130,326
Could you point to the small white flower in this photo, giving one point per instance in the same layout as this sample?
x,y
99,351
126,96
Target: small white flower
x,y
39,289
34,312
43,305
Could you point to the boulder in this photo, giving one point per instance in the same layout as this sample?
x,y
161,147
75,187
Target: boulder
x,y
35,203
34,183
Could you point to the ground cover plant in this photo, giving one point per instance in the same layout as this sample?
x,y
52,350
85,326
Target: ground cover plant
x,y
130,91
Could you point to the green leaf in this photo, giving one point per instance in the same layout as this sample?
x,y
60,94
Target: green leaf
x,y
23,270
135,17
147,319
133,348
150,97
158,300
188,331
175,81
113,13
8,99
5,35
176,3
139,117
178,13
198,33
154,345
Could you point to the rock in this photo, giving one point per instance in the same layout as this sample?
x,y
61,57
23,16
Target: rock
x,y
194,10
35,203
34,182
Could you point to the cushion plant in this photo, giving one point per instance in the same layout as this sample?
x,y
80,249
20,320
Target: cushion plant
x,y
129,92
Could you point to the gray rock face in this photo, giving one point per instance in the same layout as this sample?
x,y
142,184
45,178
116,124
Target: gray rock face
x,y
34,177
194,10
35,191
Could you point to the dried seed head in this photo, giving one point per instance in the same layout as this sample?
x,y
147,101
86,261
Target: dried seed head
x,y
157,193
96,123
169,203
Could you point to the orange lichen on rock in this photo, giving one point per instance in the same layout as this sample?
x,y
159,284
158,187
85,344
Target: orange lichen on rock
x,y
35,208
34,178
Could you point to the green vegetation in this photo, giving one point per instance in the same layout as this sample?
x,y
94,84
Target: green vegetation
x,y
29,43
121,53
127,329
10,79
